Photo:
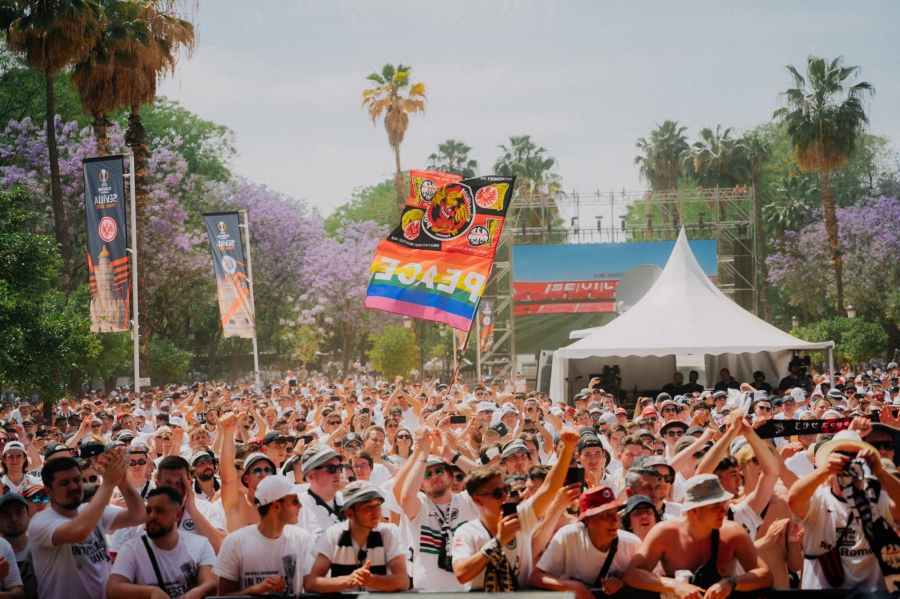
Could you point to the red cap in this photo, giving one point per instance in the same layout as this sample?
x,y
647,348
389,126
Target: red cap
x,y
621,411
596,500
649,411
570,410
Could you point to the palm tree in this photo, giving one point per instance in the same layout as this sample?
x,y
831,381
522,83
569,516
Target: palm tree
x,y
795,201
111,75
823,117
755,150
532,168
662,157
715,158
387,98
48,35
453,157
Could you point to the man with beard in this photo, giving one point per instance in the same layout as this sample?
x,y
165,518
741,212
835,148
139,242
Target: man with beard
x,y
431,513
68,541
178,565
206,484
271,557
14,528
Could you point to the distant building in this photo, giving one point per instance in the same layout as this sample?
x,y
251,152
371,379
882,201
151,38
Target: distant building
x,y
109,310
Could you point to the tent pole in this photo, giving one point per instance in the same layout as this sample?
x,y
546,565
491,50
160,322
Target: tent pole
x,y
831,366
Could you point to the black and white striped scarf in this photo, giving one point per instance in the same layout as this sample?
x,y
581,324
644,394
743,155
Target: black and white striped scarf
x,y
346,559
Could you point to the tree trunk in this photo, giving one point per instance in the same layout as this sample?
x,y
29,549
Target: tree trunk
x,y
892,343
398,182
101,132
136,138
762,252
60,222
831,229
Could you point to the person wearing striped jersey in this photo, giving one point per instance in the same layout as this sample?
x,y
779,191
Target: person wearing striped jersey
x,y
431,513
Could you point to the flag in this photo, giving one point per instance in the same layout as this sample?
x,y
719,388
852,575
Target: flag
x,y
434,266
104,204
232,287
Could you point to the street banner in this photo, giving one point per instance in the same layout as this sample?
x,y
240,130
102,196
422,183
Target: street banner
x,y
232,286
104,204
434,266
789,427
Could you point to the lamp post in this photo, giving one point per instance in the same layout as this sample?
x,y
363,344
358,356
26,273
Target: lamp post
x,y
851,311
795,322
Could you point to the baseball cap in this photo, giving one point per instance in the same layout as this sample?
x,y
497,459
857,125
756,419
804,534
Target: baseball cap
x,y
14,445
315,456
32,488
201,456
622,411
514,447
484,406
703,489
12,498
597,500
719,394
56,448
663,397
255,457
273,488
273,437
636,501
649,411
351,438
360,491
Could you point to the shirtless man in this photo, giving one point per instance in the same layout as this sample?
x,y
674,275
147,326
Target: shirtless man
x,y
237,502
703,542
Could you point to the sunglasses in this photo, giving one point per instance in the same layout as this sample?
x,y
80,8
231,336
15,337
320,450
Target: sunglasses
x,y
763,408
134,463
353,447
675,434
438,471
668,478
404,438
670,411
333,423
498,493
39,499
659,452
330,468
259,471
459,477
393,426
90,479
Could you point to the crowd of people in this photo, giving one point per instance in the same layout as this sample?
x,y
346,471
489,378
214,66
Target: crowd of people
x,y
315,485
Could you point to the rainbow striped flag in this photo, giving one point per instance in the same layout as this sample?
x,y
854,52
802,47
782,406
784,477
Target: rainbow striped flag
x,y
434,266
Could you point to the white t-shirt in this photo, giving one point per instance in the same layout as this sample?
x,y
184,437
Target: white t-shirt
x,y
826,515
70,571
425,534
249,557
178,567
316,518
800,464
391,540
212,512
572,556
13,578
744,515
472,536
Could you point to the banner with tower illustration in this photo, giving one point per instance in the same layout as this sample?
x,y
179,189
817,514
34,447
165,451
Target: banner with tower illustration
x,y
232,285
434,266
108,263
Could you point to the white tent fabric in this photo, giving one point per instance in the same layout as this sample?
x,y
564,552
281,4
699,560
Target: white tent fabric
x,y
684,313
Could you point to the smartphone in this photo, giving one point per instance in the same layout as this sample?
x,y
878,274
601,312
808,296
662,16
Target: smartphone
x,y
458,419
858,395
364,411
307,439
510,508
335,398
292,383
574,475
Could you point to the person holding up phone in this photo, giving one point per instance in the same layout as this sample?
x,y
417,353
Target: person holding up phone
x,y
485,558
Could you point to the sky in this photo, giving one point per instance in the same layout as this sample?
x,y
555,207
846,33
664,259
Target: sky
x,y
585,79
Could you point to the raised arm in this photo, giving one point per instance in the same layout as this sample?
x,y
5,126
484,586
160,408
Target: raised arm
x,y
557,475
230,491
709,462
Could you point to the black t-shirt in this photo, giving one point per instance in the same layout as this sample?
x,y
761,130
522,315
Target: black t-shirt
x,y
788,382
725,386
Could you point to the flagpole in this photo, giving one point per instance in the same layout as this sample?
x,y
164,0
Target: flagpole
x,y
462,351
135,328
246,227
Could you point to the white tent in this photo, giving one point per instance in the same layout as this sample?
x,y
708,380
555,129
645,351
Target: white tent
x,y
683,314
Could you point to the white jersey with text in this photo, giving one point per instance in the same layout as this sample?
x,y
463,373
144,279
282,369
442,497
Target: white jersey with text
x,y
179,567
425,535
249,558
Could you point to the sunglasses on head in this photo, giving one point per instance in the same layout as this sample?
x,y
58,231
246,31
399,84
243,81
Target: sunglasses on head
x,y
258,471
437,471
330,468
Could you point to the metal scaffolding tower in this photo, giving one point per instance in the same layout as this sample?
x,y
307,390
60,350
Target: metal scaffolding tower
x,y
725,215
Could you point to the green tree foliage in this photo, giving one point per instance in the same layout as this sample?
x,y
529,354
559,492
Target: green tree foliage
x,y
23,90
453,157
856,341
46,333
394,351
169,363
207,147
661,156
302,343
376,203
